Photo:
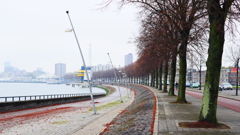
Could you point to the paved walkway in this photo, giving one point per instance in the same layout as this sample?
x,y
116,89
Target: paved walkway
x,y
98,125
82,122
70,118
169,115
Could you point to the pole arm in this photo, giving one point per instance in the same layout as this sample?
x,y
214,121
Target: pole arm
x,y
94,108
115,77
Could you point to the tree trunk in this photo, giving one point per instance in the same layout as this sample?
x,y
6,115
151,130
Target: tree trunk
x,y
157,77
152,78
165,76
217,18
173,73
160,77
182,71
147,77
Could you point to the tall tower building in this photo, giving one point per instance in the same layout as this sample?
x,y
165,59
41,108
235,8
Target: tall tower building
x,y
60,69
128,59
8,67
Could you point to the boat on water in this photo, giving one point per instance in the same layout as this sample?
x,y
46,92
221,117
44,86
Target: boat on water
x,y
53,81
79,84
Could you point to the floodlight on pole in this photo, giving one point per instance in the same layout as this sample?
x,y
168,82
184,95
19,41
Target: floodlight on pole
x,y
125,81
90,87
115,77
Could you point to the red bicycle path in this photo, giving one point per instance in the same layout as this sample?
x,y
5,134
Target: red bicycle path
x,y
225,102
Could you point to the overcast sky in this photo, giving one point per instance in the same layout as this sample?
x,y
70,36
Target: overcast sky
x,y
32,33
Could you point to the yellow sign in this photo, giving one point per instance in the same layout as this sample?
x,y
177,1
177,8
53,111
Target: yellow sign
x,y
80,73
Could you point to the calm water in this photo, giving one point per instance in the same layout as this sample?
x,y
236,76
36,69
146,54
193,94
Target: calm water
x,y
25,89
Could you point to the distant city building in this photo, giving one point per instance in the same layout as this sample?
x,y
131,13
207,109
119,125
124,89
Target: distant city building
x,y
226,75
8,67
94,68
101,67
108,67
38,72
60,69
233,75
128,59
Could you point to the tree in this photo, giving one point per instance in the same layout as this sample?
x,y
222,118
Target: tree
x,y
184,15
218,11
234,56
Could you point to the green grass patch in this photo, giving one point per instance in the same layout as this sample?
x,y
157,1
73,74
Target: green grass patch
x,y
105,89
108,89
60,122
107,106
234,86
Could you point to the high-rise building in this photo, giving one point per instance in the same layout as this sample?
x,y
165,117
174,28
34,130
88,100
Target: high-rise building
x,y
60,69
8,67
128,59
100,67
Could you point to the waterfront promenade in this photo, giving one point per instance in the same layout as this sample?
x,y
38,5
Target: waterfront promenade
x,y
169,115
77,120
63,119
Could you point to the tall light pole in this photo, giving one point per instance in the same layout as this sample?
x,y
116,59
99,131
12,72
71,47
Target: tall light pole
x,y
237,62
200,77
90,87
126,82
115,77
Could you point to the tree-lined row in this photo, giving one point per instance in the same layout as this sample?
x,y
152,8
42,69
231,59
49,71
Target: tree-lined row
x,y
175,28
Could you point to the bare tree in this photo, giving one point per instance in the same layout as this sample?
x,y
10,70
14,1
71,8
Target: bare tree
x,y
218,11
234,56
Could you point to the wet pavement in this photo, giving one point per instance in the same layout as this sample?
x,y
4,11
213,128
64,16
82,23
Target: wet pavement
x,y
223,101
170,115
75,118
58,119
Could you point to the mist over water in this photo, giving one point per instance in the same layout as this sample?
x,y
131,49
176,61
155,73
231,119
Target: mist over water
x,y
26,89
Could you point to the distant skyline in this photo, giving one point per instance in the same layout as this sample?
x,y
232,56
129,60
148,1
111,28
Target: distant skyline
x,y
32,34
8,67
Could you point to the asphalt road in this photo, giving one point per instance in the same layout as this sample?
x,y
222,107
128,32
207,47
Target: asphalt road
x,y
225,102
231,92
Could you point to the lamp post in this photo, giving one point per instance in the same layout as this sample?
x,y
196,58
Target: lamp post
x,y
115,77
125,81
200,79
90,88
237,62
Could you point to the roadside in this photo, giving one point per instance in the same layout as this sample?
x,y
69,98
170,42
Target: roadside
x,y
98,125
170,115
225,93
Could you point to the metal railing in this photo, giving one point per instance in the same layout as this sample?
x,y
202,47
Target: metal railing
x,y
41,97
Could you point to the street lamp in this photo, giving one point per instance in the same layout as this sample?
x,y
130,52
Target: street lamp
x,y
115,77
90,88
236,65
125,81
200,78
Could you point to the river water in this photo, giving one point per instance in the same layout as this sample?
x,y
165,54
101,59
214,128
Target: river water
x,y
26,89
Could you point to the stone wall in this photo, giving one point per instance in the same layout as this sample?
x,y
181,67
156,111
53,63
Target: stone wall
x,y
19,105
